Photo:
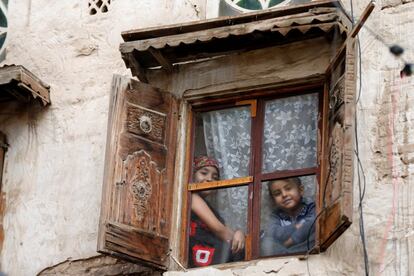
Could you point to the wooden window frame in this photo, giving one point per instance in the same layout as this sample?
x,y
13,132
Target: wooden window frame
x,y
3,148
253,181
126,145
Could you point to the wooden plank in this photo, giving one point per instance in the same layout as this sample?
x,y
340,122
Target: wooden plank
x,y
137,243
292,65
281,88
3,147
362,19
220,184
186,214
161,59
45,100
257,134
288,173
119,84
349,132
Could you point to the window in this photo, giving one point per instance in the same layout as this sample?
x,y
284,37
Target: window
x,y
3,28
270,98
249,5
257,143
232,7
98,6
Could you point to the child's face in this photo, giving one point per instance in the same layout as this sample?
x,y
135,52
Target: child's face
x,y
286,195
206,174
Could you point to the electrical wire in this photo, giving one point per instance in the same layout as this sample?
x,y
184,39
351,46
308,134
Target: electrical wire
x,y
360,168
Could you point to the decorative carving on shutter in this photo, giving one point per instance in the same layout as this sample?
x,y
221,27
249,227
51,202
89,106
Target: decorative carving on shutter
x,y
146,123
140,176
337,188
138,182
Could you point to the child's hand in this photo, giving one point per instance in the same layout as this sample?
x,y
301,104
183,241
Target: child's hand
x,y
298,225
238,242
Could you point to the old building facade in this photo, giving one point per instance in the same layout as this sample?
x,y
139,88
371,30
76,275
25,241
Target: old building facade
x,y
54,155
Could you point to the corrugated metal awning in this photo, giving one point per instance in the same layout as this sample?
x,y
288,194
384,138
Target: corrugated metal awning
x,y
164,47
18,83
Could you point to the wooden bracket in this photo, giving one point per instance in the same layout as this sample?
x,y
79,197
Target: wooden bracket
x,y
135,67
162,60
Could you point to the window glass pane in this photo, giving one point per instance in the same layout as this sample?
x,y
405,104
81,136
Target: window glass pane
x,y
225,136
231,7
287,216
290,133
218,219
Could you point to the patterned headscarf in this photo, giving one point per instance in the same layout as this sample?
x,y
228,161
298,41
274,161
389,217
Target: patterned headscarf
x,y
205,161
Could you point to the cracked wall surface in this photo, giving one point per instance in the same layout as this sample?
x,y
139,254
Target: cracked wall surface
x,y
54,167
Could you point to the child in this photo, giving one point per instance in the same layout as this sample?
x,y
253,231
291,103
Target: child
x,y
292,222
211,241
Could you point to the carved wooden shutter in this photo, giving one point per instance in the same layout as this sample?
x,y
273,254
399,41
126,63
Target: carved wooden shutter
x,y
337,187
138,180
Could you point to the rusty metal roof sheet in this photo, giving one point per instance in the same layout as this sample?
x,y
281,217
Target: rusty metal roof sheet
x,y
166,46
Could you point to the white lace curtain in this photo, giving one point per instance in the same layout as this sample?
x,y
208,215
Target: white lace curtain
x,y
290,141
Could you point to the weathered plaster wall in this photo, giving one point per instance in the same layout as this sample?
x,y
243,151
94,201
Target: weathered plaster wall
x,y
54,166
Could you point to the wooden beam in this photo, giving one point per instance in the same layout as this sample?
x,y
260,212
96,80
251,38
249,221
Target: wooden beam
x,y
16,94
35,94
354,32
362,19
136,68
220,184
163,61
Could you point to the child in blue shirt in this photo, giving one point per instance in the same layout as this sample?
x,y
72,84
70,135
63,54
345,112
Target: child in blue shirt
x,y
291,225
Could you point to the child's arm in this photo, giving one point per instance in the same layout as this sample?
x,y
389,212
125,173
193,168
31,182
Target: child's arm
x,y
201,209
279,232
302,231
294,233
